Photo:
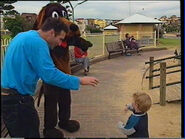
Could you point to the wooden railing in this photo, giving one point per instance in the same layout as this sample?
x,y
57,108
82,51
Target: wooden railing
x,y
4,44
163,73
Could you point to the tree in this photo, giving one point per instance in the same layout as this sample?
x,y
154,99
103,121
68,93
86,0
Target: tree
x,y
173,16
93,29
6,8
16,25
164,16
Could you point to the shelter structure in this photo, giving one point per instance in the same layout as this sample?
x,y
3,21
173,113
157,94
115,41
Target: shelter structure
x,y
139,26
110,30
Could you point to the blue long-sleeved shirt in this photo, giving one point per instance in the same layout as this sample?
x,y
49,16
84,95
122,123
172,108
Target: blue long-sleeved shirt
x,y
27,59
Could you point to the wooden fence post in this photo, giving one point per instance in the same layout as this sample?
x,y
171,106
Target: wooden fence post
x,y
163,83
120,35
103,43
155,38
151,73
137,35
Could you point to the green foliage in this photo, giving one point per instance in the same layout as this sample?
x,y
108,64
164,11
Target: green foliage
x,y
16,25
12,12
173,16
172,28
93,29
7,9
164,16
9,1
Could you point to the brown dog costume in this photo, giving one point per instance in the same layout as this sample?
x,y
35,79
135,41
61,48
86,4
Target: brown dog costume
x,y
54,95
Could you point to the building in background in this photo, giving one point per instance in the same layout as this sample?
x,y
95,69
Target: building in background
x,y
30,17
90,21
139,26
110,30
101,23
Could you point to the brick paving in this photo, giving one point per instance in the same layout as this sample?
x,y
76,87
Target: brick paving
x,y
100,108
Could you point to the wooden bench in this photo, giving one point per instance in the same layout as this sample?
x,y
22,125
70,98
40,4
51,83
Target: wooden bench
x,y
114,48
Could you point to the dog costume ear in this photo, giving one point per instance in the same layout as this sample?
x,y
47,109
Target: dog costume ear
x,y
74,27
40,19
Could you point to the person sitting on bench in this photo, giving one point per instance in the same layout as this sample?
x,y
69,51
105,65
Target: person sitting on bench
x,y
131,42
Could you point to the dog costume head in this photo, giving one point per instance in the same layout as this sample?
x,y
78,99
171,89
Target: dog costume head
x,y
56,10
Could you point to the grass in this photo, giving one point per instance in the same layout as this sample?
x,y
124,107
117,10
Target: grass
x,y
97,41
170,43
5,37
97,48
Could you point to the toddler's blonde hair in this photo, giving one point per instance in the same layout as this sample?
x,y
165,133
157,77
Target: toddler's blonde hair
x,y
143,101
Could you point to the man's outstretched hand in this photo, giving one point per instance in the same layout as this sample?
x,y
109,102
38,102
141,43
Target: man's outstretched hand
x,y
89,81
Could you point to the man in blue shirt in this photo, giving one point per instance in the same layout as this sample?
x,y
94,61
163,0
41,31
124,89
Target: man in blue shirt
x,y
28,59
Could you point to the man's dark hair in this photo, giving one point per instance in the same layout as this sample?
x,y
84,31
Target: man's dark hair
x,y
55,24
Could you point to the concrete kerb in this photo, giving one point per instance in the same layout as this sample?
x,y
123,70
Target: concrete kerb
x,y
105,57
153,49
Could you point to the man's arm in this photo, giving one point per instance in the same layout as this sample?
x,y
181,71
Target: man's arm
x,y
42,63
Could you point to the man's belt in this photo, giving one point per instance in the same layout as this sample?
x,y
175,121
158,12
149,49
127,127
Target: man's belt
x,y
8,91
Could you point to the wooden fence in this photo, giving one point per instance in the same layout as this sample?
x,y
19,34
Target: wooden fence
x,y
163,73
4,44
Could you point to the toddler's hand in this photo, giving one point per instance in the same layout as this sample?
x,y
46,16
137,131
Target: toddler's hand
x,y
129,107
126,108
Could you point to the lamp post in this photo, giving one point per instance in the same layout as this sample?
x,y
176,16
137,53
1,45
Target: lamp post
x,y
129,8
75,7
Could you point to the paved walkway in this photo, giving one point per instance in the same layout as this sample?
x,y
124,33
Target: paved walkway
x,y
100,108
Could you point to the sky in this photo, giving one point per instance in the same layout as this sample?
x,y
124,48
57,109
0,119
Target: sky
x,y
110,9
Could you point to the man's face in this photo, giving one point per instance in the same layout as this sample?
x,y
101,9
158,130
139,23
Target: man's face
x,y
55,40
